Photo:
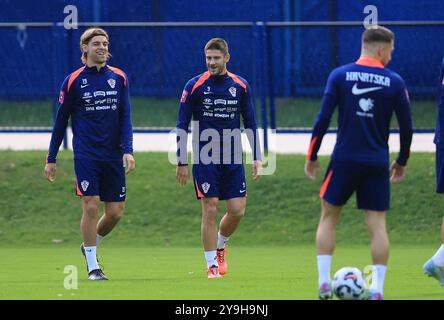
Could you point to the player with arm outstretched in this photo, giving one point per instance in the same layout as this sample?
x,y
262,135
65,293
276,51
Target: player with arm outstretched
x,y
367,94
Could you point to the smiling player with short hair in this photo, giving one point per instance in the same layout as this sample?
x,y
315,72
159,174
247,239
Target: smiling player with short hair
x,y
216,100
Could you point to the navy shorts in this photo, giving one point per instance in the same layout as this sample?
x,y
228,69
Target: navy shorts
x,y
100,178
223,181
371,183
439,162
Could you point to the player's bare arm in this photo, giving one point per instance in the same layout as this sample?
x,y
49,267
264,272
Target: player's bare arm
x,y
311,169
182,175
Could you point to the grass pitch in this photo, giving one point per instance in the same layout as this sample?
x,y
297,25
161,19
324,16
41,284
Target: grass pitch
x,y
255,273
282,209
155,252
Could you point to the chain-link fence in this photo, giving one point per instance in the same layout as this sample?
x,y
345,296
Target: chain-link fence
x,y
310,51
286,63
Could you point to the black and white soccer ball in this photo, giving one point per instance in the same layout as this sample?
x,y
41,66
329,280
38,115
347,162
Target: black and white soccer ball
x,y
349,284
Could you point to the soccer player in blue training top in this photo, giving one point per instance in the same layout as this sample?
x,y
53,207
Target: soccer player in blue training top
x,y
96,96
215,100
434,267
367,94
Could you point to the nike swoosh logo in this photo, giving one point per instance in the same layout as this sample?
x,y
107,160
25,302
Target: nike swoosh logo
x,y
121,195
356,91
242,191
207,92
83,86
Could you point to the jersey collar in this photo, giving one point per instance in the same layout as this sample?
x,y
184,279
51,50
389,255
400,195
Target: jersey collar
x,y
220,76
94,69
369,62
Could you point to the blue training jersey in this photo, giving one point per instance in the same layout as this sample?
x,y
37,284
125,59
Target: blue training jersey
x,y
439,138
98,103
367,94
216,103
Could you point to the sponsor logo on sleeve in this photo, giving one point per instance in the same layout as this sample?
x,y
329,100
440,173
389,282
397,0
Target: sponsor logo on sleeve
x,y
183,99
62,97
407,95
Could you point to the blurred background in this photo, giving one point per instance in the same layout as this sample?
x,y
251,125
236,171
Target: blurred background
x,y
284,48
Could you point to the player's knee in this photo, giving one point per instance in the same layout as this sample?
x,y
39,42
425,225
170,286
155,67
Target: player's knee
x,y
375,222
91,207
376,229
209,221
210,206
237,212
209,215
115,213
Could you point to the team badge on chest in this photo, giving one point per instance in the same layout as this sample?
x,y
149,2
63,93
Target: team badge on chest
x,y
232,91
112,83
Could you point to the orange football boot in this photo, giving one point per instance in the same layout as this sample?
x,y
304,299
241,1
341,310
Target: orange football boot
x,y
221,260
213,272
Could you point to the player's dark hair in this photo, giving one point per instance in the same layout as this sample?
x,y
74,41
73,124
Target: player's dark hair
x,y
377,34
217,44
87,36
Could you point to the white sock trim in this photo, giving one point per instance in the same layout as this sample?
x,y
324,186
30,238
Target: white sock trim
x,y
99,239
221,241
378,278
91,258
324,267
210,257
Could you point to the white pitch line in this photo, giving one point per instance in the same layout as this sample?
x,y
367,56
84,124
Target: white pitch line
x,y
285,143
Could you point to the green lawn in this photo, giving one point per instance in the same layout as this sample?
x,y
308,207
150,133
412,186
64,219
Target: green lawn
x,y
155,251
284,273
299,112
282,208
